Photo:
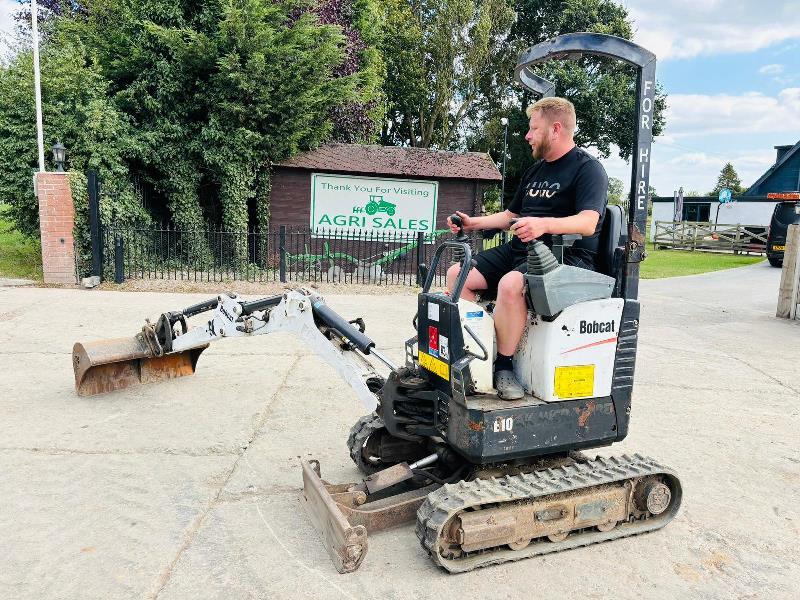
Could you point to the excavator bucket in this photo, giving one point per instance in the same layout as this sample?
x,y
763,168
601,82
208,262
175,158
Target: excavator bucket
x,y
108,365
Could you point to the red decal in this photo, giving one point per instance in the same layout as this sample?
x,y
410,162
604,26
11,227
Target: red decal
x,y
433,338
600,343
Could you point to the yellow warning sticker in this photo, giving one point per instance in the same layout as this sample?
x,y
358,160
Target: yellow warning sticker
x,y
434,365
574,382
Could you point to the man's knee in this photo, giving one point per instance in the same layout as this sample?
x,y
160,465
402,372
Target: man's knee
x,y
475,280
452,275
452,272
511,286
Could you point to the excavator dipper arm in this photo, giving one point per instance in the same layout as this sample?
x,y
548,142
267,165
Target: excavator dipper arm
x,y
159,351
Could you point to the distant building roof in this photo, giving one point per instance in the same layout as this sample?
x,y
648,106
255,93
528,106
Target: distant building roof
x,y
395,160
783,176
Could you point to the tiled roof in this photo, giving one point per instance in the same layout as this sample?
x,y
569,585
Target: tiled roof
x,y
394,160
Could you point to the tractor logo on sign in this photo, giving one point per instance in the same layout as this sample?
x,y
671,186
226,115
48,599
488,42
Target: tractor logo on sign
x,y
377,204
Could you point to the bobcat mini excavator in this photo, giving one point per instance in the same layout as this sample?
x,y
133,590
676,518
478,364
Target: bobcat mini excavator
x,y
487,480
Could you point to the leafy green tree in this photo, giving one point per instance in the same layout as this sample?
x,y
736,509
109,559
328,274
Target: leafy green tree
x,y
602,90
445,60
491,200
728,178
76,110
615,191
213,92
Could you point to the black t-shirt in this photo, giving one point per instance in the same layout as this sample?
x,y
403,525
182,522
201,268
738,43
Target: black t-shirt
x,y
563,188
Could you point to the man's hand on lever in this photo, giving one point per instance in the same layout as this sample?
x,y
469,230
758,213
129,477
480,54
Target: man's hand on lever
x,y
530,228
466,223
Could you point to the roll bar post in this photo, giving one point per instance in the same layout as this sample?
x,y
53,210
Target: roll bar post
x,y
576,45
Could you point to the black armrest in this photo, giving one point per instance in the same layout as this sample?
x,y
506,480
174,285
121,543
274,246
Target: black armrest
x,y
566,239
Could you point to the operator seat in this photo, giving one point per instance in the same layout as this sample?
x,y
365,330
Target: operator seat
x,y
613,237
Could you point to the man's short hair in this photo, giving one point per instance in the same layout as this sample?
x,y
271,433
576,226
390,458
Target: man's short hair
x,y
555,109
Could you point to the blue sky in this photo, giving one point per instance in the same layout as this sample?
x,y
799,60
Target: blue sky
x,y
731,71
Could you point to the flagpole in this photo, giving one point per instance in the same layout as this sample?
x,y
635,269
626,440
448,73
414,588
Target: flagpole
x,y
37,84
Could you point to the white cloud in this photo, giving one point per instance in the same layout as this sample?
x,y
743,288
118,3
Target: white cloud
x,y
7,10
674,167
687,28
705,131
773,69
692,115
752,160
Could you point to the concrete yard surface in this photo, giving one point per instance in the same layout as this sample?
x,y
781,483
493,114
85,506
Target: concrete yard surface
x,y
192,488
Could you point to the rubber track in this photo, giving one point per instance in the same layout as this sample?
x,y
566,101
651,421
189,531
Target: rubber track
x,y
363,428
442,504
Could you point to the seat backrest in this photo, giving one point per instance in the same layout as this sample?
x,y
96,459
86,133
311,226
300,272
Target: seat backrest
x,y
610,239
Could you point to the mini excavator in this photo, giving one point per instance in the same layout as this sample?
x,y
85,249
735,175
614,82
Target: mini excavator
x,y
487,480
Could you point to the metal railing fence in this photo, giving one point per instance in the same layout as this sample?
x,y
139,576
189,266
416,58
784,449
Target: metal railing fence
x,y
284,254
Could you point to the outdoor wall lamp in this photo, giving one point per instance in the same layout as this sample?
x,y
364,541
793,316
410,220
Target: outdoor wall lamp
x,y
59,153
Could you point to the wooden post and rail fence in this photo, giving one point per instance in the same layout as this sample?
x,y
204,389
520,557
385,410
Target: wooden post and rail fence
x,y
690,235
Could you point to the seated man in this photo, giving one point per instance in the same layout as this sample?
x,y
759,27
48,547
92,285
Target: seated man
x,y
563,192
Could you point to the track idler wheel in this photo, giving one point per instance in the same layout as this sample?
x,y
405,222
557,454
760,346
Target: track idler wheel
x,y
653,495
520,544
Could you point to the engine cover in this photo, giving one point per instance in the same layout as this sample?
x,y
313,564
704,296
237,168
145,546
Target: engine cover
x,y
571,356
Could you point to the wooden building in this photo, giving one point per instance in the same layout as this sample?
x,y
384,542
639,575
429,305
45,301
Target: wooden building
x,y
386,182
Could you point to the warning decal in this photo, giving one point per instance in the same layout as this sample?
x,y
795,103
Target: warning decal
x,y
574,382
434,365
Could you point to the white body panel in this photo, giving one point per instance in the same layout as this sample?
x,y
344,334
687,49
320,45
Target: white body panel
x,y
573,356
482,325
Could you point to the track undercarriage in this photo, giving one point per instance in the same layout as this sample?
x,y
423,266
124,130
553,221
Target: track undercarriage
x,y
489,514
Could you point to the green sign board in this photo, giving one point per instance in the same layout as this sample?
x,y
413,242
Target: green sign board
x,y
357,205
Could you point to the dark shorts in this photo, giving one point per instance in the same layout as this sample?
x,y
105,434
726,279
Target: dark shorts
x,y
498,261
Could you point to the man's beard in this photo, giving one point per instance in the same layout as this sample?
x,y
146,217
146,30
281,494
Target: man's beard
x,y
542,148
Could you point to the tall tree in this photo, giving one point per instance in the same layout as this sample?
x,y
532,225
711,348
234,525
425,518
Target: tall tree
x,y
602,90
215,91
76,110
615,190
728,178
444,60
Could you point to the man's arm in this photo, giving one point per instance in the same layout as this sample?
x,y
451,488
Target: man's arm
x,y
501,220
584,223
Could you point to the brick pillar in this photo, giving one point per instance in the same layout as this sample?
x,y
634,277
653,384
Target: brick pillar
x,y
56,221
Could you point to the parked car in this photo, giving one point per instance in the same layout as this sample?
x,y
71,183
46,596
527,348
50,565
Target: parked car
x,y
785,214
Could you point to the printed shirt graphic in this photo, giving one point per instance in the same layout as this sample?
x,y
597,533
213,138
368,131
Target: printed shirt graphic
x,y
562,188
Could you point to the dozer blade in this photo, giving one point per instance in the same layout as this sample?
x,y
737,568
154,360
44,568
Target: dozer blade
x,y
346,545
344,513
108,365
